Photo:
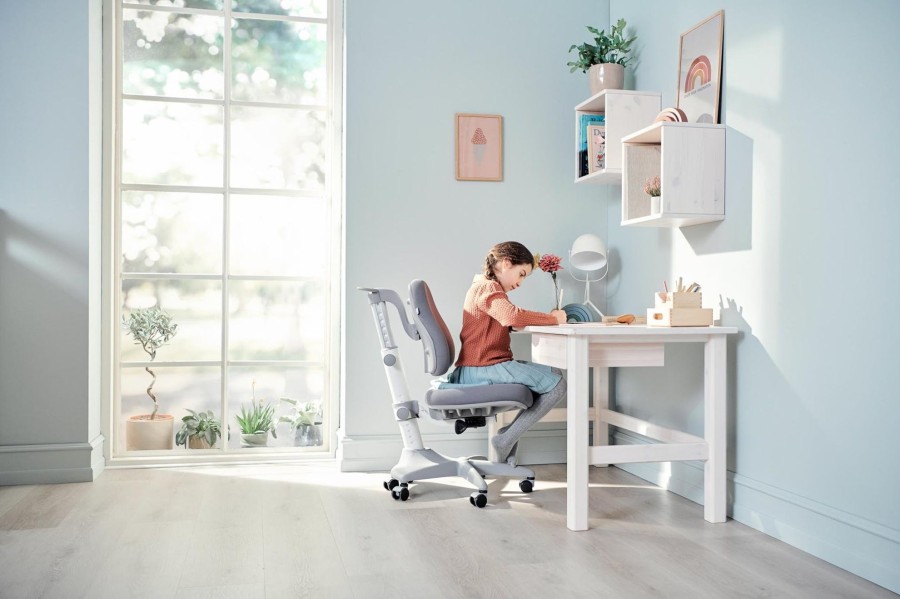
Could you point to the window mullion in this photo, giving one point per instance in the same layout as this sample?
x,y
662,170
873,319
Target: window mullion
x,y
226,220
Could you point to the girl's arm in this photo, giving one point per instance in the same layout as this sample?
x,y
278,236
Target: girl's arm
x,y
498,307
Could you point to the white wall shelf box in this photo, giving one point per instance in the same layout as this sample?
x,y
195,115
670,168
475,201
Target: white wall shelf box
x,y
689,159
625,111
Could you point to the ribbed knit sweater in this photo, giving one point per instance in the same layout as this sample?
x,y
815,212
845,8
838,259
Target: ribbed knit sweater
x,y
487,317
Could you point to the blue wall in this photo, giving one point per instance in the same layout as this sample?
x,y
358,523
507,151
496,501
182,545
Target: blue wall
x,y
805,264
50,127
409,69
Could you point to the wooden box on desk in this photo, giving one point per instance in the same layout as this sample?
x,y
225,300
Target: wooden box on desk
x,y
679,309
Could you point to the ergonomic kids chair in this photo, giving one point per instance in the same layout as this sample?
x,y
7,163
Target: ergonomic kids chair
x,y
469,405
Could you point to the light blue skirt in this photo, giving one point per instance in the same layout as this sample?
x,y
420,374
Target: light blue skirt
x,y
537,377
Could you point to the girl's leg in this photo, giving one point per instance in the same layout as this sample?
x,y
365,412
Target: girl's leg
x,y
505,439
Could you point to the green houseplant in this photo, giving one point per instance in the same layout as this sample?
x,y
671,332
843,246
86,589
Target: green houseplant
x,y
305,421
199,430
256,422
604,61
151,328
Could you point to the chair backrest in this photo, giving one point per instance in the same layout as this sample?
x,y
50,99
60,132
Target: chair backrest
x,y
436,338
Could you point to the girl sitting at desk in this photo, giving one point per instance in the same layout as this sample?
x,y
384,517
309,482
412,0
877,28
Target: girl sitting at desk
x,y
485,355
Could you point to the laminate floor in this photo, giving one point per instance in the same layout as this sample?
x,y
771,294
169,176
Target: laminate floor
x,y
307,530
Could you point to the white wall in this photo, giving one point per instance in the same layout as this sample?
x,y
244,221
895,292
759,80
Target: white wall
x,y
409,70
805,264
49,204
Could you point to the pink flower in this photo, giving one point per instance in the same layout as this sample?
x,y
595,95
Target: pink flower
x,y
550,263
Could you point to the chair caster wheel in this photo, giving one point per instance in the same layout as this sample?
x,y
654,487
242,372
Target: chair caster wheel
x,y
401,492
526,485
390,484
478,499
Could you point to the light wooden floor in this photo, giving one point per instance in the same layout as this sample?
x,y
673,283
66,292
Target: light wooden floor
x,y
248,532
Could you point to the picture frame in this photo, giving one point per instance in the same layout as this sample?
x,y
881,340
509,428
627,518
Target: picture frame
x,y
479,147
700,69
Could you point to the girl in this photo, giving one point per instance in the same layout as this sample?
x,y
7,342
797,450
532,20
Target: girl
x,y
485,355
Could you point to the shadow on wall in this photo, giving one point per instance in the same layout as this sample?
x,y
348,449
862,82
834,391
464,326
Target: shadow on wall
x,y
43,317
770,394
735,233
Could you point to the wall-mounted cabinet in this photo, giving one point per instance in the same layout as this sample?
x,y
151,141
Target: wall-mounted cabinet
x,y
624,112
689,159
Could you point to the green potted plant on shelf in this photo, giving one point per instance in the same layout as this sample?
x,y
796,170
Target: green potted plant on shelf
x,y
199,430
151,328
604,61
305,421
256,422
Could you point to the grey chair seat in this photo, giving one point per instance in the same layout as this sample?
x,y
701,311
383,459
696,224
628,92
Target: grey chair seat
x,y
477,400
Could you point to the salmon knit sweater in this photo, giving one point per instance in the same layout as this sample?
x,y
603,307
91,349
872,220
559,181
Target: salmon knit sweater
x,y
487,317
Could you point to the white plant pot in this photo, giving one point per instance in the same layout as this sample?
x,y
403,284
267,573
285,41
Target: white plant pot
x,y
254,439
655,204
606,76
143,433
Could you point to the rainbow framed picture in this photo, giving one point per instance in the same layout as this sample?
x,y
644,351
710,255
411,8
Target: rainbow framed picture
x,y
700,70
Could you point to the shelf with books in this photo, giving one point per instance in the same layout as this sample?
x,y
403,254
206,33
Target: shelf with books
x,y
689,159
620,112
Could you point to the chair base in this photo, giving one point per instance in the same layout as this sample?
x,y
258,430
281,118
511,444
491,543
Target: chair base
x,y
425,464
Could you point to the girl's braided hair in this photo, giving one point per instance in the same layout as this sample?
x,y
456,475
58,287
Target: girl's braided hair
x,y
513,251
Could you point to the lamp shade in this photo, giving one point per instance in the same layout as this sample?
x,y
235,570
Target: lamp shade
x,y
588,253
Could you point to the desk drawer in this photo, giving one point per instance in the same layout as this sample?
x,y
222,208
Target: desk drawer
x,y
551,350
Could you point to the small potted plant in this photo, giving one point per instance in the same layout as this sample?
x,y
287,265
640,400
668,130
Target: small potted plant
x,y
151,328
257,422
199,430
653,189
305,421
604,61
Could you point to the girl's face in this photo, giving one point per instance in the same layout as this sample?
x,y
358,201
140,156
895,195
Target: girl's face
x,y
511,275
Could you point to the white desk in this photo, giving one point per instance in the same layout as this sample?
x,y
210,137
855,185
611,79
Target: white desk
x,y
575,347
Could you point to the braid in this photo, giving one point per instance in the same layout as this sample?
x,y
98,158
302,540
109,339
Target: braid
x,y
513,251
489,262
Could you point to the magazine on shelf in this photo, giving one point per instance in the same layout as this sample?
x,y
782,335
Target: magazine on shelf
x,y
596,148
586,119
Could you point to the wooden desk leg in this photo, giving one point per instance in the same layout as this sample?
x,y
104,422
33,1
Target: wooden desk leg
x,y
601,402
577,433
714,428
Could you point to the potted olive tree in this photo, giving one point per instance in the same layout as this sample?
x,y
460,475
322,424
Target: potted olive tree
x,y
604,61
151,328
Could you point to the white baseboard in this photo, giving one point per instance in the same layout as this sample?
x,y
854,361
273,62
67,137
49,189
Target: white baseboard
x,y
865,548
379,453
51,463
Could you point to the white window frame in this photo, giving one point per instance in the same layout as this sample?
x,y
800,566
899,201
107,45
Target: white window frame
x,y
111,238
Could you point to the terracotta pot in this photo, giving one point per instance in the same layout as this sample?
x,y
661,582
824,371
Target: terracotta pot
x,y
606,76
143,433
199,443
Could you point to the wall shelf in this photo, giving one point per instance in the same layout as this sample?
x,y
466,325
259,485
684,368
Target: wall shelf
x,y
689,159
625,111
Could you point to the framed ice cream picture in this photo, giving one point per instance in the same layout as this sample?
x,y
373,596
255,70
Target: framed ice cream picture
x,y
479,147
700,70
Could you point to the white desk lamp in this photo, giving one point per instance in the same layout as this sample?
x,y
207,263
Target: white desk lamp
x,y
588,253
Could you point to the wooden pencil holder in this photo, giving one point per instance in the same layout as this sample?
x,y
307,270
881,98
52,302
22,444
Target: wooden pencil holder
x,y
679,309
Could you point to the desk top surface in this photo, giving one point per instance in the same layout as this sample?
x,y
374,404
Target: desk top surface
x,y
632,330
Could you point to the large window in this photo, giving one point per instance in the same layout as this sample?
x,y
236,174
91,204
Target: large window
x,y
226,221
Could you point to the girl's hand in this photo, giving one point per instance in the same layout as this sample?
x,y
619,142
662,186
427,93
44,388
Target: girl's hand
x,y
560,316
